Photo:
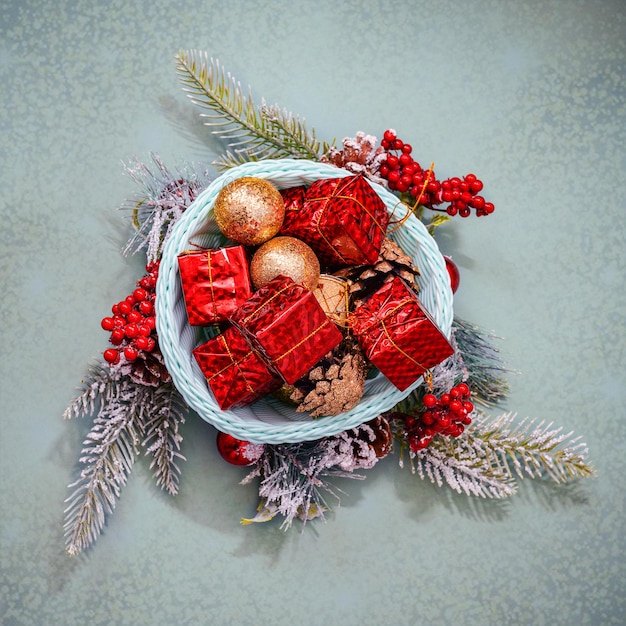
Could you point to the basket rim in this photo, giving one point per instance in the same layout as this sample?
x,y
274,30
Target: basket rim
x,y
180,364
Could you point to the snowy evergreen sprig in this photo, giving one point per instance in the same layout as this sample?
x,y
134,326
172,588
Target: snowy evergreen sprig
x,y
295,479
108,456
163,197
128,416
494,451
251,132
162,436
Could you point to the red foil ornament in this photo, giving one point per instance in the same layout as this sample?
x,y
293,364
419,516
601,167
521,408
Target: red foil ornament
x,y
235,373
453,272
342,219
287,325
398,335
236,451
215,283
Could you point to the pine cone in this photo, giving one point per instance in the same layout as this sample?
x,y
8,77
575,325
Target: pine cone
x,y
147,369
360,155
362,446
366,279
335,385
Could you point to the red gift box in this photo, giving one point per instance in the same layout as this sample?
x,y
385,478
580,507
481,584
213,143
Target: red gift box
x,y
285,322
398,335
342,219
236,374
215,283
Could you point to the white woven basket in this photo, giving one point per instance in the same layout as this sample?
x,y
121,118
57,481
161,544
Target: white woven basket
x,y
269,420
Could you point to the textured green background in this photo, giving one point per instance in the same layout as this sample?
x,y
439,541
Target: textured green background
x,y
531,96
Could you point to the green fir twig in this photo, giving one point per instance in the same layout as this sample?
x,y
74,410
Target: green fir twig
x,y
251,133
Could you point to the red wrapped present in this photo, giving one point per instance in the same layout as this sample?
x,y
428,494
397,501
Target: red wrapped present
x,y
285,322
215,282
236,374
398,335
342,219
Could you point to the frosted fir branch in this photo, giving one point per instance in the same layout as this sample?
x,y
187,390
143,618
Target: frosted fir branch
x,y
233,115
163,197
100,385
164,415
108,456
294,479
463,469
529,447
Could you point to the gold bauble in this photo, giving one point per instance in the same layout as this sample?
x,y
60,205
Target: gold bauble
x,y
286,256
249,210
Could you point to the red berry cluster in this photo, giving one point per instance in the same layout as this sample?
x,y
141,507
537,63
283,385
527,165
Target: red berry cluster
x,y
133,324
405,175
447,416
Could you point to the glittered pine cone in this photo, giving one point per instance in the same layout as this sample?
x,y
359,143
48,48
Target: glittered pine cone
x,y
335,384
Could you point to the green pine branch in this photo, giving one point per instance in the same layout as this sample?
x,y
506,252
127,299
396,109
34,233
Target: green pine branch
x,y
251,133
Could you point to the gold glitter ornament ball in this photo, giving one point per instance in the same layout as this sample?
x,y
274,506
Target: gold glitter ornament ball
x,y
249,210
286,256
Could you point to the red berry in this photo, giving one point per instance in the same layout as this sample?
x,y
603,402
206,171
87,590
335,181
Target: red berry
x,y
117,336
144,329
476,186
429,400
405,159
393,162
383,170
468,406
140,294
397,144
132,331
134,316
131,353
407,148
111,355
389,135
146,307
124,307
107,323
456,406
394,176
142,342
463,389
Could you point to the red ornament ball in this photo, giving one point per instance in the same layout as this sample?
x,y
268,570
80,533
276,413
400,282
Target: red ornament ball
x,y
236,451
453,271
